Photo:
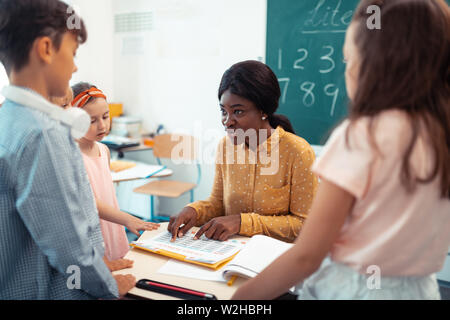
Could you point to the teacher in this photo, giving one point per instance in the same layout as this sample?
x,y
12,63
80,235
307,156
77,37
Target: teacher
x,y
263,182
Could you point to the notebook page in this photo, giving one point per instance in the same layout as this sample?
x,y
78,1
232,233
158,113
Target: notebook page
x,y
202,250
257,254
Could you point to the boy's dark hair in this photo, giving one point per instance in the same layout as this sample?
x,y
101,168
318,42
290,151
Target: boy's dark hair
x,y
23,21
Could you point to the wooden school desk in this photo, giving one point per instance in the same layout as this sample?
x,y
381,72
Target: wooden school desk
x,y
147,264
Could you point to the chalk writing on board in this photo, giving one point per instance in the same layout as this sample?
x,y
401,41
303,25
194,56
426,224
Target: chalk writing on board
x,y
328,58
285,85
326,16
307,88
304,49
308,98
297,63
332,93
329,62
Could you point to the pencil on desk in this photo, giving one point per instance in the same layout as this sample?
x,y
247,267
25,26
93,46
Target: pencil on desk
x,y
231,281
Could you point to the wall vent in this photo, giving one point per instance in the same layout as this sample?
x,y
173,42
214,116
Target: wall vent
x,y
133,22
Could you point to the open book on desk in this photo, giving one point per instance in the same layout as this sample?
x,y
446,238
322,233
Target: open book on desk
x,y
203,252
257,254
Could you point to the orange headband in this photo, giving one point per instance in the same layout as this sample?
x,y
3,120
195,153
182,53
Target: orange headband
x,y
81,99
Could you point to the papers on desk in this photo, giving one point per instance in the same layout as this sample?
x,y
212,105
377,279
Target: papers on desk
x,y
140,171
183,269
256,255
120,165
205,252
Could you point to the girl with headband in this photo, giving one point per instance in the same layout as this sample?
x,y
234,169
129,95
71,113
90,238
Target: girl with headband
x,y
96,158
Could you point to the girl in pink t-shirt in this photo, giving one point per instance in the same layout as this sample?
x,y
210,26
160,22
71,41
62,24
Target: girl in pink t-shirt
x,y
379,225
96,158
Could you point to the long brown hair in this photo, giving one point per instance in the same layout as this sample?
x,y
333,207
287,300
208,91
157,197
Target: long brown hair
x,y
406,66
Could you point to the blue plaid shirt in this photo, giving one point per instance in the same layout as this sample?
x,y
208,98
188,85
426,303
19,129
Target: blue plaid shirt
x,y
49,225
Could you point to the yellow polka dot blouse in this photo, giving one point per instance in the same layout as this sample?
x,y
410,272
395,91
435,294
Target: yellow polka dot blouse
x,y
272,188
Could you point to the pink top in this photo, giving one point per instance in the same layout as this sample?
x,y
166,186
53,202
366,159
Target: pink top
x,y
116,241
405,234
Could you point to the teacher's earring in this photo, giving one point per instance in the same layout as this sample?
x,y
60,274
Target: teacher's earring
x,y
264,118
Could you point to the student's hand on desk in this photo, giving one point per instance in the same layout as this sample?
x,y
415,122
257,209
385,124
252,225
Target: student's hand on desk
x,y
188,217
120,264
220,228
125,283
135,225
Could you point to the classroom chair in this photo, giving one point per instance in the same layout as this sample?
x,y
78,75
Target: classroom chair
x,y
176,148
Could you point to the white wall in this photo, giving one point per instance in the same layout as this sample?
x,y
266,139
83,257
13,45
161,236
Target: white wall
x,y
175,80
95,58
170,74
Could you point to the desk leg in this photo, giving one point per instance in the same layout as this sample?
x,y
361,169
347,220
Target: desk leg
x,y
153,217
152,209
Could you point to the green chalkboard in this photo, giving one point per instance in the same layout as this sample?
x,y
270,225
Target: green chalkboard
x,y
304,48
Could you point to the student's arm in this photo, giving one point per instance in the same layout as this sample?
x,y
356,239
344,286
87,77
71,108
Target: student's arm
x,y
302,191
330,209
111,214
133,224
55,202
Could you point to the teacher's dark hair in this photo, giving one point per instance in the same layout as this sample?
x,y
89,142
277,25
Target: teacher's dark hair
x,y
255,81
